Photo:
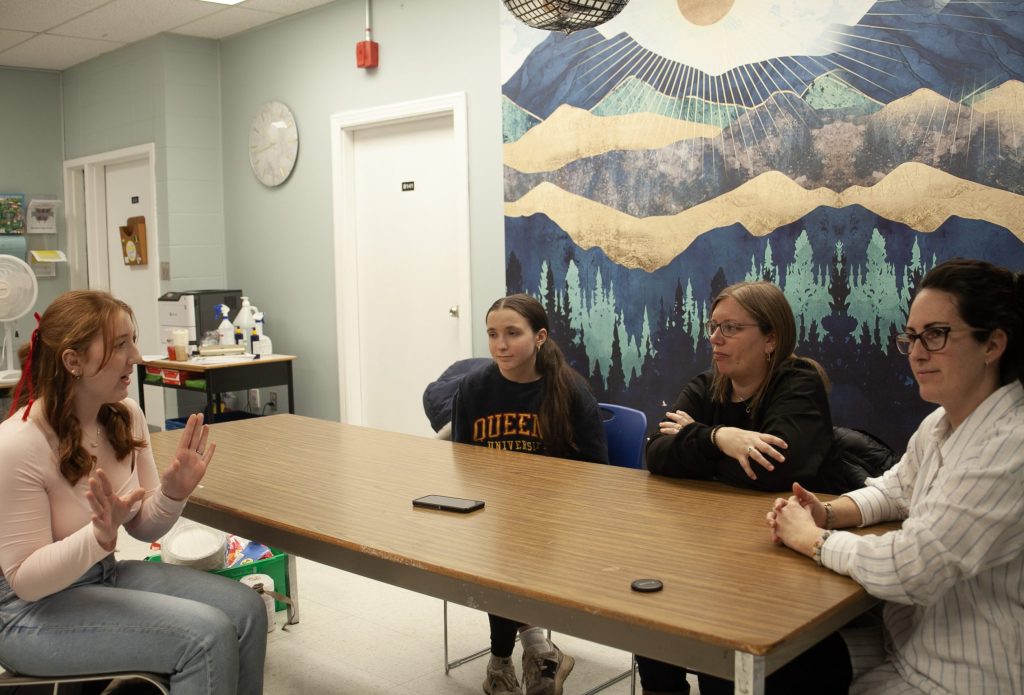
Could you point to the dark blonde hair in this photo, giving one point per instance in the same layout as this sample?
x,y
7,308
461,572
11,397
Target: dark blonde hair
x,y
558,393
770,309
72,322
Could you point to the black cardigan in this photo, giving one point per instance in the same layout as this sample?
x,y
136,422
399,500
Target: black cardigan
x,y
794,408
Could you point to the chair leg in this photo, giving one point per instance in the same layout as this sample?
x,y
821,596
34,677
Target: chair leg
x,y
449,663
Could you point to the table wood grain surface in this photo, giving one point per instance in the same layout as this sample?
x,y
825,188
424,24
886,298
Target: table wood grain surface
x,y
557,544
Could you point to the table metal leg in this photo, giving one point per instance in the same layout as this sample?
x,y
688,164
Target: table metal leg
x,y
293,589
749,674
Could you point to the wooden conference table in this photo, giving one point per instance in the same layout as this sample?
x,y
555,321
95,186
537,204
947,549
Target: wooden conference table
x,y
557,545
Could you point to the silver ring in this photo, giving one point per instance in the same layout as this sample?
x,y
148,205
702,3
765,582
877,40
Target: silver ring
x,y
749,449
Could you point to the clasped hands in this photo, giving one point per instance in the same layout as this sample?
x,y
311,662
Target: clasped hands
x,y
746,446
797,522
191,459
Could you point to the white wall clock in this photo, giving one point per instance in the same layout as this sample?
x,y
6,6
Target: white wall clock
x,y
273,143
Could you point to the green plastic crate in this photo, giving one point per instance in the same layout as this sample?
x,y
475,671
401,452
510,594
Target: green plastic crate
x,y
274,567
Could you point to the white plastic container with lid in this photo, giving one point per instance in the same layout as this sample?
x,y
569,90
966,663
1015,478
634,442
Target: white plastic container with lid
x,y
245,320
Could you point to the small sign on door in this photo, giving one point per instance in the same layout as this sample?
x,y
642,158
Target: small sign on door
x,y
135,200
408,186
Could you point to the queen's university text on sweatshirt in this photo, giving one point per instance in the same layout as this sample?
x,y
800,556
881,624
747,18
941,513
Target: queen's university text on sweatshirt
x,y
511,431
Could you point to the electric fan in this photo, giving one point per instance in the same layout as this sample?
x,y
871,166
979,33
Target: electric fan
x,y
18,291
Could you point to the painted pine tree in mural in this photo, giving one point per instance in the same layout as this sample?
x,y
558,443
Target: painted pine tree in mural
x,y
644,174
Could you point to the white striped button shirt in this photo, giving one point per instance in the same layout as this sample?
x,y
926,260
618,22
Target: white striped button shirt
x,y
953,575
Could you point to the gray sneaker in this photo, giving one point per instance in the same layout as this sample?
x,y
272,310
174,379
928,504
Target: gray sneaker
x,y
544,672
501,677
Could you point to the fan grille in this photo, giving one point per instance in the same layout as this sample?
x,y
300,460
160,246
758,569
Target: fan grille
x,y
564,15
18,288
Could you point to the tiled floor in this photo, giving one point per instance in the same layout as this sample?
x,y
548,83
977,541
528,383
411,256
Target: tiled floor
x,y
362,637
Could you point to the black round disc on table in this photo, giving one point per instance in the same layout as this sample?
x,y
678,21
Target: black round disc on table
x,y
646,585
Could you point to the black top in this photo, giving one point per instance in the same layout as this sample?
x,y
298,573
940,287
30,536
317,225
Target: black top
x,y
489,410
794,408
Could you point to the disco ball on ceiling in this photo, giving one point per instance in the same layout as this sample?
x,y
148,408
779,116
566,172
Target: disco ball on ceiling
x,y
564,15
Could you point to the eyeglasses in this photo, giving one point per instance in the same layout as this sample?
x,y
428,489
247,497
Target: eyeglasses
x,y
933,338
729,329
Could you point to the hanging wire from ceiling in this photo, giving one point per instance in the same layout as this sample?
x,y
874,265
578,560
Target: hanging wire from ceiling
x,y
564,15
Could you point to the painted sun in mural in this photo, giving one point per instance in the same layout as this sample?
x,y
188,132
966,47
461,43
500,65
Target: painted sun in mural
x,y
702,33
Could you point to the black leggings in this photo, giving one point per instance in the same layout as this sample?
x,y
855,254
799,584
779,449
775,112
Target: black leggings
x,y
824,668
503,635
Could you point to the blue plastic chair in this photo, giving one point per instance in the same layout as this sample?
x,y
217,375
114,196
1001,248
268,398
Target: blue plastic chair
x,y
626,430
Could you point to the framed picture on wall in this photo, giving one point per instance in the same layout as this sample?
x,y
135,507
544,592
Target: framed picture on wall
x,y
12,213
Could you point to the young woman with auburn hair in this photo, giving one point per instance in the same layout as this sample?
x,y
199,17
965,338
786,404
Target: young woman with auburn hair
x,y
76,466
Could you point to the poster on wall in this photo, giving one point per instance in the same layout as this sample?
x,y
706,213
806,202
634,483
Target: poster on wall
x,y
42,216
12,213
855,144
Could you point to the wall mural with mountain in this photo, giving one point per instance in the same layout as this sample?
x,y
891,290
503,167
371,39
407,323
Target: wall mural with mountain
x,y
839,148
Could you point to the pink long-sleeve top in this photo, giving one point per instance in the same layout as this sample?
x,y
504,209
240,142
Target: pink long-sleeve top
x,y
46,535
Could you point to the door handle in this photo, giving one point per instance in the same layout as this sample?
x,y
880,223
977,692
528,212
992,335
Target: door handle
x,y
453,311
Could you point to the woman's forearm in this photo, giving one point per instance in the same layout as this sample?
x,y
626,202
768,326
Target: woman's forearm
x,y
845,513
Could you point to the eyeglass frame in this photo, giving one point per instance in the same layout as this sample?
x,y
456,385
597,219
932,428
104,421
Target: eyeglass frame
x,y
734,328
907,340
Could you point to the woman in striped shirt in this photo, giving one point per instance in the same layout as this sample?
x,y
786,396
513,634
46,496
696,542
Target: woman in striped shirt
x,y
952,577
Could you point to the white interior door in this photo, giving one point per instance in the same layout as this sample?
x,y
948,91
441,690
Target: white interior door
x,y
129,194
103,191
401,202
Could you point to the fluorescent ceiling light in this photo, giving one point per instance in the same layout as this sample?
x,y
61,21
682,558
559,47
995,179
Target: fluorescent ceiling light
x,y
225,2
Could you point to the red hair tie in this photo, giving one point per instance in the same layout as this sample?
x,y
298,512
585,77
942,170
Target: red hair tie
x,y
26,375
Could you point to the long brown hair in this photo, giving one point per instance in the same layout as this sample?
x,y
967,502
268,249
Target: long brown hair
x,y
558,394
770,308
72,322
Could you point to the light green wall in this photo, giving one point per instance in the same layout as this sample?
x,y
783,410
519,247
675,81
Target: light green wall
x,y
194,99
30,159
280,241
165,90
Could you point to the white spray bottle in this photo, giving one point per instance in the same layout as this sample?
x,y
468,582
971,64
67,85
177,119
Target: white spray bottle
x,y
264,346
226,330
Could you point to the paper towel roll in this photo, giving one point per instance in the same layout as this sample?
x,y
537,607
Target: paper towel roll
x,y
267,581
14,245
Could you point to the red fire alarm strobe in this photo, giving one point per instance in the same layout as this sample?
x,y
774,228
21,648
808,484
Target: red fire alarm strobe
x,y
367,53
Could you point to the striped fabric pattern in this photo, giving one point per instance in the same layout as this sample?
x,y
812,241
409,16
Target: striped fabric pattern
x,y
953,576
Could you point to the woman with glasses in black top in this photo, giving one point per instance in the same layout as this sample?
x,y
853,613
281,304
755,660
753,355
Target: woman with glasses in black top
x,y
759,418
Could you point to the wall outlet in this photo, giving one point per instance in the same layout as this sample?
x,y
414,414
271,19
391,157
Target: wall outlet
x,y
254,398
272,401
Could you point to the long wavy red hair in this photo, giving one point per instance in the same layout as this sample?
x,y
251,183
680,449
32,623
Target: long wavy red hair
x,y
72,322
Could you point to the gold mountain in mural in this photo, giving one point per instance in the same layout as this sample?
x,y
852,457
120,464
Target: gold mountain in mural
x,y
1006,99
571,133
914,194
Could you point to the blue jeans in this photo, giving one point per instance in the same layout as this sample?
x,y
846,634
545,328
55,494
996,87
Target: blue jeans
x,y
207,632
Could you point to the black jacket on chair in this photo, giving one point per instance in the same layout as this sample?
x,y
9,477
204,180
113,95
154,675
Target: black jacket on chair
x,y
855,456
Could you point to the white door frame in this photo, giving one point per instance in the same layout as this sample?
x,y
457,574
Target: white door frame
x,y
87,238
343,128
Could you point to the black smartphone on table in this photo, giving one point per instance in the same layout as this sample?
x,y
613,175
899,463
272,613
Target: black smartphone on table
x,y
448,504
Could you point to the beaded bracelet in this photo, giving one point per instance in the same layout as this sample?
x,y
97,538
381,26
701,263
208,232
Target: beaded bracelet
x,y
830,516
818,544
714,433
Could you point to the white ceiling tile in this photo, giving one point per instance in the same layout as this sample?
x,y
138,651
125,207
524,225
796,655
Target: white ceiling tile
x,y
224,24
12,38
47,52
284,6
57,34
40,15
134,20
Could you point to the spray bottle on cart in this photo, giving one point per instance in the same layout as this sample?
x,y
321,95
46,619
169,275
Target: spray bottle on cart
x,y
226,330
244,323
264,346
